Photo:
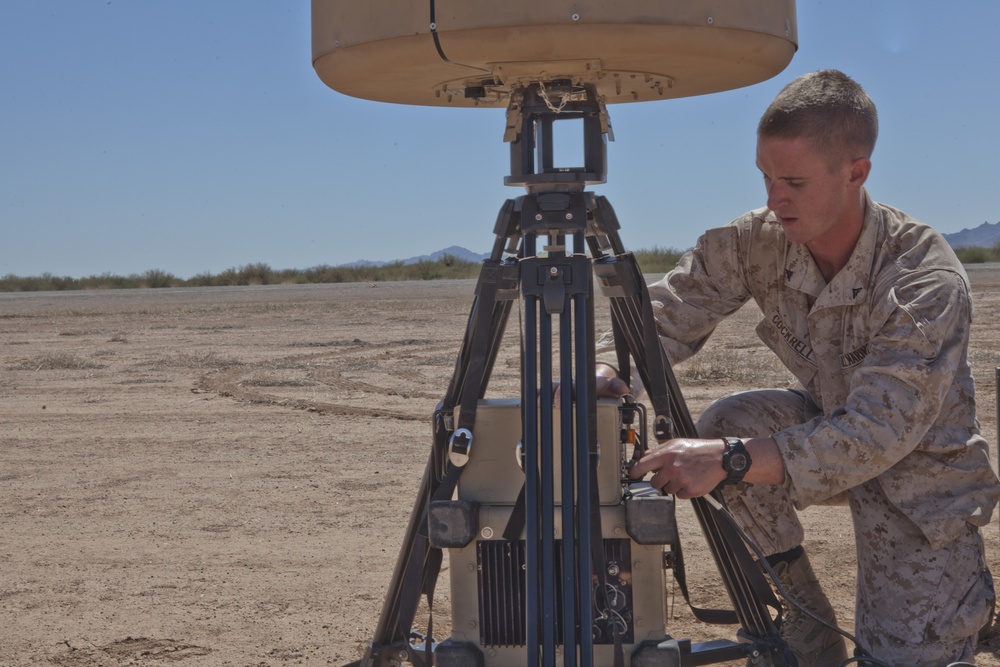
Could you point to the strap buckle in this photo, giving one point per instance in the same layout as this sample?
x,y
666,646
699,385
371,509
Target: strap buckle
x,y
459,447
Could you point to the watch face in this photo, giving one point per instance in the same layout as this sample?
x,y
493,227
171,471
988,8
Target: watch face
x,y
738,461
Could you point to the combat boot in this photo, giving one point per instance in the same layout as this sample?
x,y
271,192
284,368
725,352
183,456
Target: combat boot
x,y
812,643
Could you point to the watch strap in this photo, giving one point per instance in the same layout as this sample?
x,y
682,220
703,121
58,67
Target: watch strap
x,y
736,460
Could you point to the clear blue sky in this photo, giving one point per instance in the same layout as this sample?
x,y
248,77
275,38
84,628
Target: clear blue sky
x,y
192,136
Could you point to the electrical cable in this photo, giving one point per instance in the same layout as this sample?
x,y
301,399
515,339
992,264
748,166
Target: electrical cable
x,y
437,43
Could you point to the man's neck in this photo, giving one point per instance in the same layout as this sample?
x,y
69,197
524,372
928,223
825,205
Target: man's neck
x,y
832,254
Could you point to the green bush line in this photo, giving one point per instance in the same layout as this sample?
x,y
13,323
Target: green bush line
x,y
653,260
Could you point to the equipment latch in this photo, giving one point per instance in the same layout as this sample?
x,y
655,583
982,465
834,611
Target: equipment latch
x,y
459,447
554,289
662,428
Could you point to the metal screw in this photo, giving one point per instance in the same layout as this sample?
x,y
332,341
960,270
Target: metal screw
x,y
538,216
569,216
576,17
554,271
711,20
487,532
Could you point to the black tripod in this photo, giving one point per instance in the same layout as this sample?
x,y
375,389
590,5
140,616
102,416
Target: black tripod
x,y
560,607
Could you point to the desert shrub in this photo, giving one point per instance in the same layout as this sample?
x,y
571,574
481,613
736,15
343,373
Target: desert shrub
x,y
158,278
974,255
204,279
979,254
197,360
43,283
651,261
657,260
12,283
254,274
56,361
325,274
428,270
109,281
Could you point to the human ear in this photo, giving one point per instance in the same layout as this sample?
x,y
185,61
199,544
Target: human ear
x,y
859,170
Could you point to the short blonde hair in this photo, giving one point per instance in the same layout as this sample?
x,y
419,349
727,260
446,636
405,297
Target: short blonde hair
x,y
827,107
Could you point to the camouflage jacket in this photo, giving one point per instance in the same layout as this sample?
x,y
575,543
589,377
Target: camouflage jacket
x,y
882,349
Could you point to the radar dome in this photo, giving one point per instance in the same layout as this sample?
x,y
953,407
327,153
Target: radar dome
x,y
466,53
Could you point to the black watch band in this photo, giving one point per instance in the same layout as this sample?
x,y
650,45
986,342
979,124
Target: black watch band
x,y
736,460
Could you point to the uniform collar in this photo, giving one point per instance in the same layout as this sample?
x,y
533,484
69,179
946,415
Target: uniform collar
x,y
851,284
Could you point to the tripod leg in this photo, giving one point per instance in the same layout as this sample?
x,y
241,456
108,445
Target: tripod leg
x,y
418,564
749,592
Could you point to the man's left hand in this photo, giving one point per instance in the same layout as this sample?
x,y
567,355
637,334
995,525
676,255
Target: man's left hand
x,y
685,467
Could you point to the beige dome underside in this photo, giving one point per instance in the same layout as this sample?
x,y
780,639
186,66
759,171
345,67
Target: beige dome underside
x,y
632,52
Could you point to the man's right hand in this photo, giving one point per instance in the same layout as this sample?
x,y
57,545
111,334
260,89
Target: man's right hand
x,y
609,385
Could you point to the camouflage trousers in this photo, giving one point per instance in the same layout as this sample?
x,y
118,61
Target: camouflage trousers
x,y
915,605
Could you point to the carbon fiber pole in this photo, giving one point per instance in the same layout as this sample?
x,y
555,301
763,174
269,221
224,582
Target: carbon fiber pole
x,y
586,451
548,504
568,500
533,591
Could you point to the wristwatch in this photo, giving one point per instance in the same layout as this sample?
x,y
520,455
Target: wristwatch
x,y
736,460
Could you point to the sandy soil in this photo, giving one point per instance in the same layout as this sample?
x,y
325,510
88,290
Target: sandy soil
x,y
222,476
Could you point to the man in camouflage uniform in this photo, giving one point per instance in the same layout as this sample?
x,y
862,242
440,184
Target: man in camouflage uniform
x,y
870,310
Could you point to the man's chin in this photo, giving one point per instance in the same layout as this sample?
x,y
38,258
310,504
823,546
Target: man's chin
x,y
791,228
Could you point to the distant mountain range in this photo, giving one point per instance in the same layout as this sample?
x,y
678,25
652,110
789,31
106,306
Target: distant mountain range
x,y
984,236
455,251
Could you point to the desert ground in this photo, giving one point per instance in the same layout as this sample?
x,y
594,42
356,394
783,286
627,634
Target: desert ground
x,y
222,476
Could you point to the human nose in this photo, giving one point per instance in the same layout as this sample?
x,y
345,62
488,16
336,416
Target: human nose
x,y
776,194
